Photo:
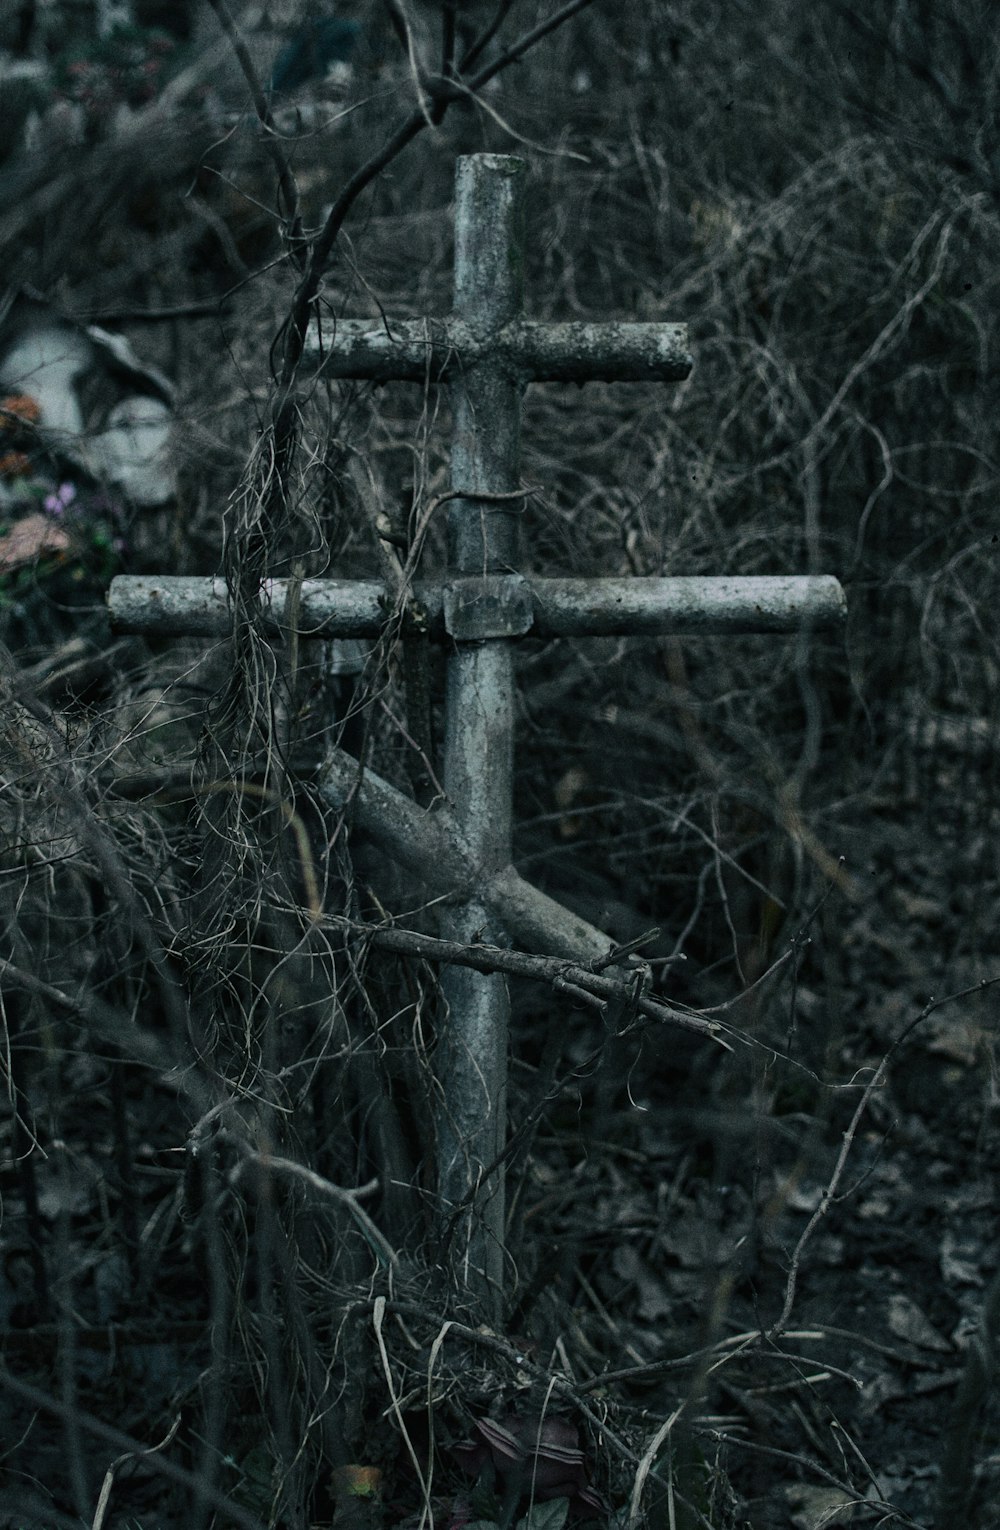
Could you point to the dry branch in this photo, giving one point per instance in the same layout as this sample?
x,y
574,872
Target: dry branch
x,y
565,976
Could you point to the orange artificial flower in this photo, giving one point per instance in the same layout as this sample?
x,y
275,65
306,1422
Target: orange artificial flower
x,y
19,406
14,465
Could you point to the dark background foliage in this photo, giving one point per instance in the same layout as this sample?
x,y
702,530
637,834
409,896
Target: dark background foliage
x,y
816,192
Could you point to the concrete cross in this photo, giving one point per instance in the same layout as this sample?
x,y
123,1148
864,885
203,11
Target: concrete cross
x,y
486,352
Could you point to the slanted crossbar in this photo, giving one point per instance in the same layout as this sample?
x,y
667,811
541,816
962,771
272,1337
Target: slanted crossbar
x,y
485,352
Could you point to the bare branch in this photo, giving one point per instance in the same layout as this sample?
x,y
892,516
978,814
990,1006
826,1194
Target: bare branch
x,y
486,36
586,983
286,180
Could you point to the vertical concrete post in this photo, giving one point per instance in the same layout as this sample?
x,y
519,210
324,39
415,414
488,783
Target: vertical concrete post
x,y
479,702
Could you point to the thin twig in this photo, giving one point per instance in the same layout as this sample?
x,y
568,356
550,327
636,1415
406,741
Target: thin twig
x,y
130,1455
349,1199
486,36
286,180
830,1193
208,308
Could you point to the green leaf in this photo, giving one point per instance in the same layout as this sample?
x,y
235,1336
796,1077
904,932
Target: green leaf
x,y
544,1516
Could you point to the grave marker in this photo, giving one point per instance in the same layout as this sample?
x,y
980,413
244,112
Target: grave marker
x,y
486,352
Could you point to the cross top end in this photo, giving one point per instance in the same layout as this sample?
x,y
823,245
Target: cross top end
x,y
489,239
486,327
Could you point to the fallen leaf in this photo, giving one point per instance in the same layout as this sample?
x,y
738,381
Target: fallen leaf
x,y
907,1322
817,1507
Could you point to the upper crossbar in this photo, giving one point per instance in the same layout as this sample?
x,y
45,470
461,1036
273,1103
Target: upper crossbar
x,y
436,350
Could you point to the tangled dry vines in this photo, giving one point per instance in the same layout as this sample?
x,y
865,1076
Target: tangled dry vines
x,y
216,1188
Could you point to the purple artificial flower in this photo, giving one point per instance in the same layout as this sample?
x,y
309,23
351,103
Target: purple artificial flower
x,y
58,503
